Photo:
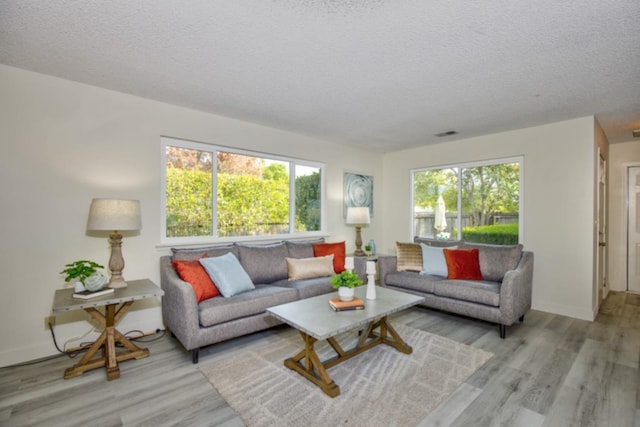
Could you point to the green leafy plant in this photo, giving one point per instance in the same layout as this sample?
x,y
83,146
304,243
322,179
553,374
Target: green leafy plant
x,y
346,279
368,248
80,270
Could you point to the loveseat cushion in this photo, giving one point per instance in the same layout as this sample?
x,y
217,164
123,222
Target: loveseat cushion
x,y
264,263
338,250
307,288
309,268
227,274
463,264
188,254
219,310
496,260
477,291
301,249
433,261
413,281
409,256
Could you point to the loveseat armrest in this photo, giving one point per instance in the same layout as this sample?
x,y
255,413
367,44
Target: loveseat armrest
x,y
386,264
516,290
179,305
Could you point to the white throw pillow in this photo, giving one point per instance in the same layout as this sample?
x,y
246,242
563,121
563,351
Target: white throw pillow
x,y
228,275
433,261
308,268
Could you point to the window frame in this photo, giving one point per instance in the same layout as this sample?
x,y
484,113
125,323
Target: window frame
x,y
214,238
466,165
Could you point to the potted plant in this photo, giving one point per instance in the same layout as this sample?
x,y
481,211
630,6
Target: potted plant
x,y
368,249
86,275
345,283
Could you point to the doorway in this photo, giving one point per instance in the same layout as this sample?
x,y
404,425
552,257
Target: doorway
x,y
633,229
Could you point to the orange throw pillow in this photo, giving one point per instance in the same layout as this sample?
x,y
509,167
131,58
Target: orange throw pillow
x,y
463,264
337,249
194,274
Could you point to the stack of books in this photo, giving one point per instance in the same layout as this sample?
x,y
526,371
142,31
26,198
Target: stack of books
x,y
89,294
338,305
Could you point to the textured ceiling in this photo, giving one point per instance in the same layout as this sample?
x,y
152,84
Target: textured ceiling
x,y
381,74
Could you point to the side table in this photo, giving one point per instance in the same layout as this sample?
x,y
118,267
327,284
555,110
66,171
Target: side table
x,y
136,290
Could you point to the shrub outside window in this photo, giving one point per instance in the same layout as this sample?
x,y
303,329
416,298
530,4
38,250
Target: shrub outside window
x,y
218,192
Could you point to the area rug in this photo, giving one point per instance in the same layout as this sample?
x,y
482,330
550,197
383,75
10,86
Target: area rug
x,y
380,387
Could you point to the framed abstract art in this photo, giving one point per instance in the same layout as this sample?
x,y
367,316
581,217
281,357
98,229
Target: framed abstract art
x,y
358,191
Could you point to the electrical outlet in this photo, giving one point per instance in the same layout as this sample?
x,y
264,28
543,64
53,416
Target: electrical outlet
x,y
49,320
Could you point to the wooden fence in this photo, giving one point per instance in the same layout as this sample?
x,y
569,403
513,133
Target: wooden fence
x,y
423,222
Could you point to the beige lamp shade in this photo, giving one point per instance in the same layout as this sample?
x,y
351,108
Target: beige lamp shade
x,y
114,215
358,216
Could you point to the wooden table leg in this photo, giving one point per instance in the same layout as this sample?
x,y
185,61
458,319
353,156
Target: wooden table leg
x,y
107,343
315,370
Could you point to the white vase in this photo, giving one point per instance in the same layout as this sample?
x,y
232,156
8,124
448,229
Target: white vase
x,y
346,294
78,287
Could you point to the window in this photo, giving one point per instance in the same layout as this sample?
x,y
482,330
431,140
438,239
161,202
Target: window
x,y
477,203
217,192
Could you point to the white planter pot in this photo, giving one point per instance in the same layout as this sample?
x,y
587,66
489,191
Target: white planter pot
x,y
346,294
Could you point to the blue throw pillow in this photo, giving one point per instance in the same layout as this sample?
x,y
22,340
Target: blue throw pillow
x,y
433,261
228,275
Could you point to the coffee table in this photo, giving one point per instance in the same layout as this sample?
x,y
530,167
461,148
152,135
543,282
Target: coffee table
x,y
316,321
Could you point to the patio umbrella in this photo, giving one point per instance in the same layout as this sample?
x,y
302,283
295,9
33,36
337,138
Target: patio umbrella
x,y
441,218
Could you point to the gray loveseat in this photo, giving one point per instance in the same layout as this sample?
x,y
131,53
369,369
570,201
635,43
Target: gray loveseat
x,y
502,297
218,319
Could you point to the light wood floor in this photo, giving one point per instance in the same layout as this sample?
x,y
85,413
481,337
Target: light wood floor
x,y
549,371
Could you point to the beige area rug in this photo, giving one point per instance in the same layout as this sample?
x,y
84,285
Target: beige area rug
x,y
380,387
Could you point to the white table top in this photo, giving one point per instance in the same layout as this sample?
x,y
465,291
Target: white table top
x,y
314,317
63,299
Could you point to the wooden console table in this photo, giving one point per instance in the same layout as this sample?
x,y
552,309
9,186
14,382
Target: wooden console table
x,y
136,290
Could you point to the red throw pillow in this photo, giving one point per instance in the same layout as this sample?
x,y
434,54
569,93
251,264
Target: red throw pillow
x,y
194,274
463,264
337,249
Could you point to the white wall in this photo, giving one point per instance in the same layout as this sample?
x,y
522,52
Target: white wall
x,y
558,203
621,156
65,143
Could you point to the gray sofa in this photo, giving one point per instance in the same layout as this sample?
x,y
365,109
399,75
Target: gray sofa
x,y
502,297
218,319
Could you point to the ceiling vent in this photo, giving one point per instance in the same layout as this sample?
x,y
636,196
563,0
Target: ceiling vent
x,y
447,133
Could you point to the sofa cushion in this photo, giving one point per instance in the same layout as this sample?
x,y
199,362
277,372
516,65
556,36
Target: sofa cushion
x,y
180,254
264,263
433,261
413,281
194,274
309,268
463,264
496,260
219,310
409,256
302,249
228,275
481,292
338,250
307,288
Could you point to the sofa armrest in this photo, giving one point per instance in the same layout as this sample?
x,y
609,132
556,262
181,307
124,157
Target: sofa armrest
x,y
516,290
179,305
386,264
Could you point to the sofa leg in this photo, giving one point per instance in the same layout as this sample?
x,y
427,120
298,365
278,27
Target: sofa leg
x,y
195,354
521,319
503,331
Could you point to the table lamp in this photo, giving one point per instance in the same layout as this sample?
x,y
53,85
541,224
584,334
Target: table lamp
x,y
358,216
115,215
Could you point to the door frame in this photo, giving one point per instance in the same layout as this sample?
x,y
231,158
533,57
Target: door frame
x,y
602,224
627,166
